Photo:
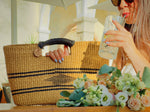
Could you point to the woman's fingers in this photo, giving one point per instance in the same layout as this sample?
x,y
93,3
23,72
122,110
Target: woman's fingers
x,y
57,55
66,50
115,38
119,27
61,53
112,32
115,44
52,56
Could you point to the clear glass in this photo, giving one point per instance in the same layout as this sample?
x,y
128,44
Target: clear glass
x,y
106,51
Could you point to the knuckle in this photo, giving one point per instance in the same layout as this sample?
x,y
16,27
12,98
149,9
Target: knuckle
x,y
59,49
50,51
55,51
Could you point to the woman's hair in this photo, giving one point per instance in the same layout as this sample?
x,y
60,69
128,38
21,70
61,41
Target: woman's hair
x,y
140,29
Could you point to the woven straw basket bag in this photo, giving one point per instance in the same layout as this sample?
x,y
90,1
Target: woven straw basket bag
x,y
39,80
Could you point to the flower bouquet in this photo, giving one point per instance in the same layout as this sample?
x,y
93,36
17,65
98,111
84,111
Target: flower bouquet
x,y
110,88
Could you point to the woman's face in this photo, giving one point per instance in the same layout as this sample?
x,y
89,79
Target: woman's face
x,y
130,10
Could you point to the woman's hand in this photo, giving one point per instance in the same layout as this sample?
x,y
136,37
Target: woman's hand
x,y
58,55
121,38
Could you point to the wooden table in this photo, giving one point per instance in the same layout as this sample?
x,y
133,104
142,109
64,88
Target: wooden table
x,y
54,108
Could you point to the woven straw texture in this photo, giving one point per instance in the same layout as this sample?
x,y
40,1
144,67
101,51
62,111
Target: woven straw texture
x,y
38,80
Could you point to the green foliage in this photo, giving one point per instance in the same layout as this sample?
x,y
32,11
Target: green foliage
x,y
93,95
65,103
105,69
142,92
117,73
32,39
65,94
77,94
138,74
146,77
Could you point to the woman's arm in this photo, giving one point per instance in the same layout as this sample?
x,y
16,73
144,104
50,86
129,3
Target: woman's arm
x,y
138,61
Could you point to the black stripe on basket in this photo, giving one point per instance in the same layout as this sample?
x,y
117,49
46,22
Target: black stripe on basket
x,y
52,70
42,90
66,72
41,87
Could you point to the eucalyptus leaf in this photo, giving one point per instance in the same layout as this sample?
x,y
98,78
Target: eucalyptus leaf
x,y
65,94
65,103
105,69
146,77
77,104
76,95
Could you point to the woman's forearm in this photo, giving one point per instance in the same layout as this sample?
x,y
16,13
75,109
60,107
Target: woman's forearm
x,y
138,61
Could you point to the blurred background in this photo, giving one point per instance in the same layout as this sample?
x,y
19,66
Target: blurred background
x,y
26,21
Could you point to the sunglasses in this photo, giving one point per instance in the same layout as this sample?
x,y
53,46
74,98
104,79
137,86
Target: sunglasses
x,y
118,2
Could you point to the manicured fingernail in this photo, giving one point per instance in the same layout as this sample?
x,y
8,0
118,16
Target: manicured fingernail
x,y
56,60
113,19
105,32
103,40
47,54
62,59
107,42
59,61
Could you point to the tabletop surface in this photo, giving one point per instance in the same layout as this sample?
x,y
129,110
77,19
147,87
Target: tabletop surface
x,y
54,108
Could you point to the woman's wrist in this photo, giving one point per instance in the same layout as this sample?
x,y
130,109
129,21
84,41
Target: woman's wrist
x,y
138,61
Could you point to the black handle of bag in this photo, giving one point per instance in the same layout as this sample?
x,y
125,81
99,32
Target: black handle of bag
x,y
54,41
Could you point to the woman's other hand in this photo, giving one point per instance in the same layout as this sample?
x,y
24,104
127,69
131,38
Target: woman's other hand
x,y
121,38
58,55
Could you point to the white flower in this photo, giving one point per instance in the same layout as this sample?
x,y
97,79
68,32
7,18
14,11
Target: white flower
x,y
121,97
78,83
128,90
102,88
106,99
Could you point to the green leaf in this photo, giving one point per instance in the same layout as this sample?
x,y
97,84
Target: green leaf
x,y
142,92
112,77
76,95
135,93
84,76
61,100
77,104
65,103
117,73
138,74
65,94
105,69
146,77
